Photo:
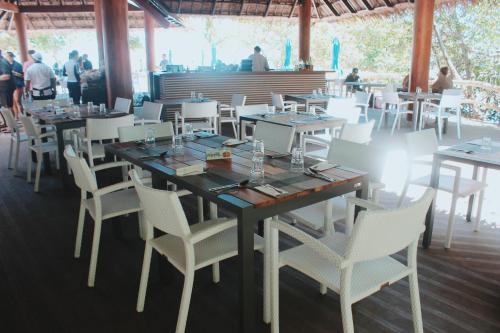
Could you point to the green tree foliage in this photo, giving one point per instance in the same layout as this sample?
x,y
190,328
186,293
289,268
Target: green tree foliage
x,y
44,42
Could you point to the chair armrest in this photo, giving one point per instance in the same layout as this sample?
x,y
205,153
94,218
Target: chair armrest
x,y
311,242
289,102
454,168
110,165
351,204
317,140
114,188
147,121
211,228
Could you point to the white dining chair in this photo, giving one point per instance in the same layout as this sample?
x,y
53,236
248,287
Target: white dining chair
x,y
247,110
149,113
392,104
202,116
422,145
36,145
363,102
282,106
187,247
276,138
104,204
122,105
227,113
17,136
358,263
451,101
90,142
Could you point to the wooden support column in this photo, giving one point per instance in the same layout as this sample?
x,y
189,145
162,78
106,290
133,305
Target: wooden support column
x,y
19,20
305,30
422,42
116,50
98,29
149,29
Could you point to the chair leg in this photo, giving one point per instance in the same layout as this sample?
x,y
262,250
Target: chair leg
x,y
28,171
459,125
323,289
57,159
16,158
451,221
396,118
143,286
366,114
215,266
235,131
10,154
275,284
79,230
440,128
267,271
186,299
480,203
381,120
415,303
39,160
95,251
346,310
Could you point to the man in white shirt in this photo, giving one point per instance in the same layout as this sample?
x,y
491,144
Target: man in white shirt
x,y
40,79
71,70
259,62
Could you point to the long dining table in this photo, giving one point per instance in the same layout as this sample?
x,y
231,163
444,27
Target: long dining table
x,y
246,203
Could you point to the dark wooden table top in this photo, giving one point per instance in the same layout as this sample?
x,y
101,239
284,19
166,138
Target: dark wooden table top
x,y
302,122
50,117
237,169
179,101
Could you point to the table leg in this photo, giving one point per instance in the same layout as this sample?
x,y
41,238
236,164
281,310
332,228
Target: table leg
x,y
246,263
429,218
471,197
362,193
416,114
62,161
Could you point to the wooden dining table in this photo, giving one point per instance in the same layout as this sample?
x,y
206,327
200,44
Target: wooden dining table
x,y
308,99
67,120
417,99
473,153
248,204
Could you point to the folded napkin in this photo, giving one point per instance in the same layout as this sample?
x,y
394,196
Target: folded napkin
x,y
233,142
323,166
270,190
189,170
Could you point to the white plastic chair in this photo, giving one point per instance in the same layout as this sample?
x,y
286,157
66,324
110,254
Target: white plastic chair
x,y
122,105
227,113
357,264
423,144
187,247
451,100
106,202
149,113
396,107
16,137
205,114
248,110
276,138
281,105
363,101
347,154
100,129
36,145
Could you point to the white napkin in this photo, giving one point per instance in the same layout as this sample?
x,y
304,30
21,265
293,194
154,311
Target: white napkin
x,y
189,170
323,166
270,190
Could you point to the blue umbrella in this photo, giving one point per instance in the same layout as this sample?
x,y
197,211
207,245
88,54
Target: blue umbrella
x,y
335,53
288,53
214,56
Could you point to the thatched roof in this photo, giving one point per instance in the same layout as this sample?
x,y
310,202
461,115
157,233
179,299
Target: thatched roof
x,y
69,14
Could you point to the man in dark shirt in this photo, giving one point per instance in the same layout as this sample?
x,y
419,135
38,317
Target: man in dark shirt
x,y
87,65
18,80
353,77
6,83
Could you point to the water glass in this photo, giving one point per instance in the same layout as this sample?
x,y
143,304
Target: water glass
x,y
193,95
486,143
102,108
149,138
320,92
258,147
314,93
200,96
297,163
177,145
188,131
293,113
257,169
90,106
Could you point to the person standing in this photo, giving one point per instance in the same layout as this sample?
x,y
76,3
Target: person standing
x,y
259,62
29,62
40,79
86,64
71,70
163,62
6,83
18,84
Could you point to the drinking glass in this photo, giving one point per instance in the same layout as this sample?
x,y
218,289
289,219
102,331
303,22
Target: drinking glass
x,y
297,163
193,95
258,147
90,106
76,111
177,145
102,108
149,137
320,92
189,133
486,143
200,96
293,113
314,93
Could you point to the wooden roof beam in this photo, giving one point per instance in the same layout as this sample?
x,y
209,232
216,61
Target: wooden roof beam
x,y
241,8
332,9
214,3
163,19
293,8
65,9
388,3
349,6
9,7
367,4
269,2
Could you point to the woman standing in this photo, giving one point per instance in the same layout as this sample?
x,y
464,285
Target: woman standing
x,y
18,80
71,70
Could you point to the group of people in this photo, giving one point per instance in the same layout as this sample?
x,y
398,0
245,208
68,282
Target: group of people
x,y
37,80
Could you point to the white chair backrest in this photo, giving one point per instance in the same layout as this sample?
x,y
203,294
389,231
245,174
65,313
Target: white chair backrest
x,y
247,110
369,159
30,127
379,233
451,98
344,108
107,128
277,138
138,132
390,97
84,178
9,119
362,97
421,143
199,110
238,100
122,104
162,209
277,100
389,88
151,111
359,133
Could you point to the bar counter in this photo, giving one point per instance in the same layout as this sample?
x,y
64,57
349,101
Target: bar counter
x,y
220,86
